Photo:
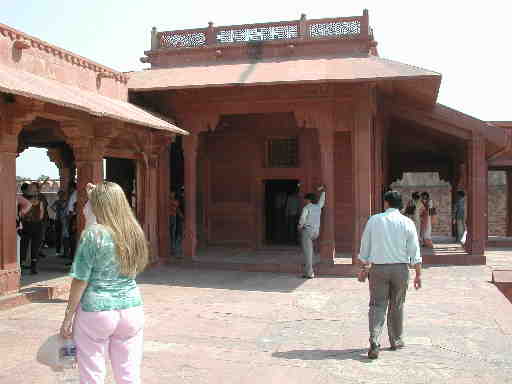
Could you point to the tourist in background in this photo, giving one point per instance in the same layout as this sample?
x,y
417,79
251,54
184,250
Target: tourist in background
x,y
104,313
388,246
46,216
427,213
413,210
459,214
179,231
23,206
173,224
32,232
69,213
309,228
59,207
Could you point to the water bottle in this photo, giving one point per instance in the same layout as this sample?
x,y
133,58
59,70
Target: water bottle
x,y
67,362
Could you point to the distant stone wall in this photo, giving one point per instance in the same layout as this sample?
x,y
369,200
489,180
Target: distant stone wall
x,y
440,192
497,204
50,186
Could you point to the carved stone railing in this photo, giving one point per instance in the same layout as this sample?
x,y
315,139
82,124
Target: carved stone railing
x,y
356,27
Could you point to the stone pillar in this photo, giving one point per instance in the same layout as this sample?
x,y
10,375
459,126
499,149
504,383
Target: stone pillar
x,y
151,207
164,187
64,165
190,146
362,160
9,271
378,164
88,153
477,199
327,239
509,202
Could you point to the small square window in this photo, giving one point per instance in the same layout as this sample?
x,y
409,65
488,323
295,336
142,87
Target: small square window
x,y
282,152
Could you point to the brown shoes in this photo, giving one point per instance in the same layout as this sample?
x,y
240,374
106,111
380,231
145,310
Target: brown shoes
x,y
373,351
398,344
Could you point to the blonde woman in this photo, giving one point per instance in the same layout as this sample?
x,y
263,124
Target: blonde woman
x,y
104,313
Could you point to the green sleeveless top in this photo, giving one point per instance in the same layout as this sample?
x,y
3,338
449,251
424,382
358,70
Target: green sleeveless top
x,y
96,262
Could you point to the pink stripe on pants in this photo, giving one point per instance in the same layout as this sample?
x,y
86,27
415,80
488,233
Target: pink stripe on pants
x,y
116,333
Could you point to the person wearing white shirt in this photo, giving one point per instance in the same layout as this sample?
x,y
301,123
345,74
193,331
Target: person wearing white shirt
x,y
309,227
388,246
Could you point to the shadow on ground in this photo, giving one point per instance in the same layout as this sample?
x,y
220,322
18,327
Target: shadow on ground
x,y
324,354
217,279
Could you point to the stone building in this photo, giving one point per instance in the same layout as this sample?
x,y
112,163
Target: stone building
x,y
264,109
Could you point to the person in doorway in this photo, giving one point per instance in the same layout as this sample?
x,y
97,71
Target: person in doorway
x,y
173,211
23,207
388,246
46,216
427,211
32,229
309,228
104,314
68,216
292,212
72,223
414,209
180,224
59,207
459,214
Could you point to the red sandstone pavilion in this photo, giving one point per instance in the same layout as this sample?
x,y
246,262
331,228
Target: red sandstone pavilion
x,y
263,107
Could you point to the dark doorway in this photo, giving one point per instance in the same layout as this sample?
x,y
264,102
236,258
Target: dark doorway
x,y
177,165
282,211
122,172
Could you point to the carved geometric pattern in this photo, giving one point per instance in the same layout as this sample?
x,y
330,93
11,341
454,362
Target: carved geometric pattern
x,y
258,34
182,40
338,28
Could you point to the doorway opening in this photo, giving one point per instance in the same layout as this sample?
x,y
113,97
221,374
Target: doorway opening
x,y
282,211
122,172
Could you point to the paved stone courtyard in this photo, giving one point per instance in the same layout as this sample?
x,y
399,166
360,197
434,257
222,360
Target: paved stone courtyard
x,y
206,326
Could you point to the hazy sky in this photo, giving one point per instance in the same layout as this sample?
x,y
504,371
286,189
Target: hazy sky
x,y
467,42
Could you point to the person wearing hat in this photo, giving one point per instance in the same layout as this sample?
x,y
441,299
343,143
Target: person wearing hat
x,y
309,228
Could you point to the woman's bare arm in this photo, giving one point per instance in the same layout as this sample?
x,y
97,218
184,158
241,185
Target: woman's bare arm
x,y
75,295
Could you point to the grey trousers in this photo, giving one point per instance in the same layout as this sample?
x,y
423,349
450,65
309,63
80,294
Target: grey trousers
x,y
388,287
307,237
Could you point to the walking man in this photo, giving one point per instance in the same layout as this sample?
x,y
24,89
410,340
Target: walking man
x,y
309,227
388,246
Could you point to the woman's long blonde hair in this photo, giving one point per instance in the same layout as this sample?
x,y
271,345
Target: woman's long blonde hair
x,y
109,205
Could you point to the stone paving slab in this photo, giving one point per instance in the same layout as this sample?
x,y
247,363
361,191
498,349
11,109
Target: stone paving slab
x,y
237,327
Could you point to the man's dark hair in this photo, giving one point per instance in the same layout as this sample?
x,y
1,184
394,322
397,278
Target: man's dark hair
x,y
461,193
415,195
394,199
425,194
24,187
311,197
